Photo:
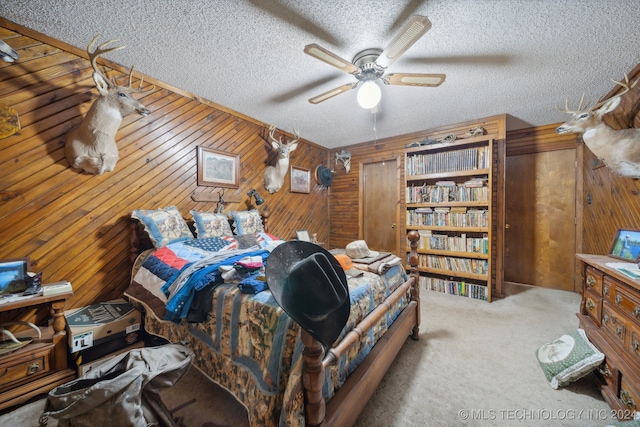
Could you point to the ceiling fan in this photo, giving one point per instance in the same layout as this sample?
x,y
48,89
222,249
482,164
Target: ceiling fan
x,y
370,65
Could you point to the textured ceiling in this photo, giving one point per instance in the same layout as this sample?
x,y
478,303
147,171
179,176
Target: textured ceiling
x,y
520,57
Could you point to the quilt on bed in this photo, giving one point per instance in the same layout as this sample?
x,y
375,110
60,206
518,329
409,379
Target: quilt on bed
x,y
247,343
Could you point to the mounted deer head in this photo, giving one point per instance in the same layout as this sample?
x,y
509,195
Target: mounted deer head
x,y
344,157
91,145
274,175
618,149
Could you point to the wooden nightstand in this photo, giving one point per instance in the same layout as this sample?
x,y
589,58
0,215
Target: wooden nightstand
x,y
41,365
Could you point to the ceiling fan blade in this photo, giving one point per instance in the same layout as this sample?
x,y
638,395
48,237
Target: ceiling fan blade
x,y
333,92
415,28
413,79
330,58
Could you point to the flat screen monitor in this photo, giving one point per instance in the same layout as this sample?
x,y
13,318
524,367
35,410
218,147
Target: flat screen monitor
x,y
13,273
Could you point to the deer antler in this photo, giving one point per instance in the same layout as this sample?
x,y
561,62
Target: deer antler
x,y
272,130
566,106
140,82
99,51
624,84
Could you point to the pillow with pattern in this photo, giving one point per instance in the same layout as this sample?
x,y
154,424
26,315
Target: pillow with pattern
x,y
209,224
163,226
568,358
247,222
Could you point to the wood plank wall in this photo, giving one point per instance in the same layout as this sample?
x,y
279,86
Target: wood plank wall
x,y
606,201
609,201
344,191
75,226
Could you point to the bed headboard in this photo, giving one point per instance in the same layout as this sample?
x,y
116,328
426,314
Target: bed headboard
x,y
140,241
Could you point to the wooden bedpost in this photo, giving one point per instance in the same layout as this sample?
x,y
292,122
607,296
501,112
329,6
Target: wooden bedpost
x,y
312,379
134,240
265,219
414,237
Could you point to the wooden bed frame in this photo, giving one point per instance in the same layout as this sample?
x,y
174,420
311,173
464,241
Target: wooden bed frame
x,y
343,409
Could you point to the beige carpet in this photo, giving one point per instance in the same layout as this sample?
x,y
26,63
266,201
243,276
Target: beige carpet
x,y
474,365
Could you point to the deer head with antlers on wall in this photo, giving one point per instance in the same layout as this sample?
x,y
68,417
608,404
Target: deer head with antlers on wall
x,y
274,175
618,149
91,146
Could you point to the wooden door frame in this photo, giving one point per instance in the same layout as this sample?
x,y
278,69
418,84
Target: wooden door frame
x,y
533,148
361,165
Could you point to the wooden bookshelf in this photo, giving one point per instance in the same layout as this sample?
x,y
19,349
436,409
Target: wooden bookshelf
x,y
449,189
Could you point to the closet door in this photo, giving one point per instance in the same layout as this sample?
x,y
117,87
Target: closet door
x,y
379,204
540,214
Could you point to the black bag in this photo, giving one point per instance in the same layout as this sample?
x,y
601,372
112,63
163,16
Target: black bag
x,y
112,393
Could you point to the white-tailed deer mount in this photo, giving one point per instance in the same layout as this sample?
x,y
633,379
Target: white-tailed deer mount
x,y
91,145
344,157
618,149
274,175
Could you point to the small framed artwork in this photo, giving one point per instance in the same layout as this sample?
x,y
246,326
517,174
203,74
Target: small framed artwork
x,y
218,168
625,245
303,235
300,180
13,274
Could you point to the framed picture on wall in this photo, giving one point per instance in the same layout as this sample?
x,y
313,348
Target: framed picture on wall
x,y
300,180
625,245
218,168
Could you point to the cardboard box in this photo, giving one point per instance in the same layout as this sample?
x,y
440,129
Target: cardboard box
x,y
100,323
105,348
86,367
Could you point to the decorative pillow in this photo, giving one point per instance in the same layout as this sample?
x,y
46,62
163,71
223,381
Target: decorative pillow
x,y
164,226
247,222
568,358
210,224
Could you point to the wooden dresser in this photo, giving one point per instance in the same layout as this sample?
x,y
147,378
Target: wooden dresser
x,y
610,316
41,365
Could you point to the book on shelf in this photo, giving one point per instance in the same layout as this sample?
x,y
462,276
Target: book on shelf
x,y
458,209
475,182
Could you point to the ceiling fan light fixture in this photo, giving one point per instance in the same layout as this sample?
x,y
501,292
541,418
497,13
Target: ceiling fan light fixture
x,y
369,95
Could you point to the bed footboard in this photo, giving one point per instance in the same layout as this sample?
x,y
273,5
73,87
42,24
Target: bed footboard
x,y
345,406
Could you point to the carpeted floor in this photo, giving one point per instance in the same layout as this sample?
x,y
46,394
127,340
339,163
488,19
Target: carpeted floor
x,y
474,365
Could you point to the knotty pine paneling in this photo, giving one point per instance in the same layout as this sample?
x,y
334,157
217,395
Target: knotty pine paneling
x,y
75,226
609,201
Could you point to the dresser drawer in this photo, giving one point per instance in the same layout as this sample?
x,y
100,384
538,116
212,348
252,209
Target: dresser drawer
x,y
593,280
626,302
593,306
614,323
629,395
609,373
25,365
634,342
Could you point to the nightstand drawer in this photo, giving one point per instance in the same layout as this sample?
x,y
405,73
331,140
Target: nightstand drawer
x,y
593,280
614,323
25,365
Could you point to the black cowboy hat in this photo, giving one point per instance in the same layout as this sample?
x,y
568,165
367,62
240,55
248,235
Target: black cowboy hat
x,y
311,287
324,176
